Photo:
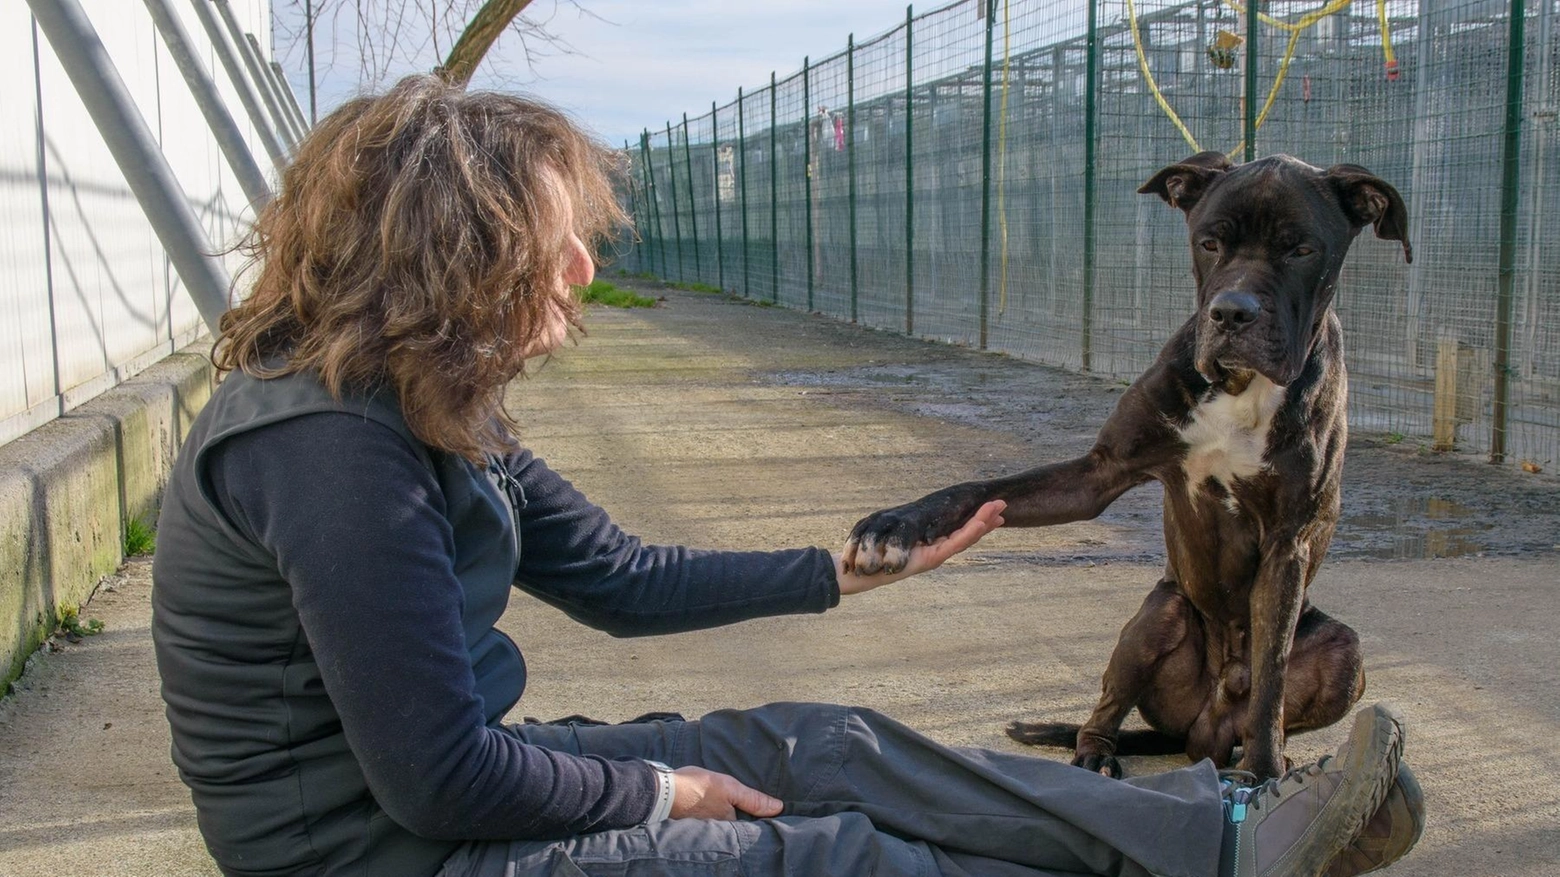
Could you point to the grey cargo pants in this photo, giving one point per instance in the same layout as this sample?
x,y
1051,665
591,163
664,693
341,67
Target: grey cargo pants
x,y
867,797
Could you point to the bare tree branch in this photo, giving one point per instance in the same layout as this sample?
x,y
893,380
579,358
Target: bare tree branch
x,y
484,30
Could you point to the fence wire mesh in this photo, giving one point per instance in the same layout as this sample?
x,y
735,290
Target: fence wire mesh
x,y
970,176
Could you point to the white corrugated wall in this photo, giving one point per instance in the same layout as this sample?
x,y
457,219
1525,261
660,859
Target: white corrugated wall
x,y
87,295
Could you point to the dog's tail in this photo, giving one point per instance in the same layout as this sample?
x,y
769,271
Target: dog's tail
x,y
1066,736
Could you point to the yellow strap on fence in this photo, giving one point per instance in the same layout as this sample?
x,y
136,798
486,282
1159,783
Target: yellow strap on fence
x,y
1148,77
1295,28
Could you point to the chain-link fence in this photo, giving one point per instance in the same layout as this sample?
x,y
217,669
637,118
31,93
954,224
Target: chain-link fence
x,y
970,176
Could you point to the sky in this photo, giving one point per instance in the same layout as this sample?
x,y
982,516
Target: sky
x,y
634,63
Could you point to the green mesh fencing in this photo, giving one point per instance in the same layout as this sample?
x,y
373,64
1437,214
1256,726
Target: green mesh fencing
x,y
970,176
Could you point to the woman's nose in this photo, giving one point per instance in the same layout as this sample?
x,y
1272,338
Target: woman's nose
x,y
580,268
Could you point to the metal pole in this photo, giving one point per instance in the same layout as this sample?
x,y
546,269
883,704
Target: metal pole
x,y
1511,174
1090,170
308,22
218,119
268,84
252,65
135,150
774,194
1249,124
655,199
246,96
909,171
850,162
289,98
807,171
747,252
720,244
693,204
633,202
985,174
671,170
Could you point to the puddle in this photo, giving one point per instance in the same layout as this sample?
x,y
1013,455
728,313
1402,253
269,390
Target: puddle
x,y
1417,528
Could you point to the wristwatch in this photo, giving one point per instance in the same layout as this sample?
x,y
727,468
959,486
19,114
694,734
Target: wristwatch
x,y
665,792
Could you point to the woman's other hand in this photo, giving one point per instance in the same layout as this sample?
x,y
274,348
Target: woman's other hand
x,y
705,794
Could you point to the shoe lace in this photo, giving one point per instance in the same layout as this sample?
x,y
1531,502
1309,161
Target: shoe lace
x,y
1241,788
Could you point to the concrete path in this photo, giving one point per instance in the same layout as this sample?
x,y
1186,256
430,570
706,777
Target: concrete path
x,y
720,424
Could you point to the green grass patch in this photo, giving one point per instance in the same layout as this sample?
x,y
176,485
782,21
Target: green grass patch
x,y
603,293
140,538
699,287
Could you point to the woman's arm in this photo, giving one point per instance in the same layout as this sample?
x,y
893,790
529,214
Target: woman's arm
x,y
574,557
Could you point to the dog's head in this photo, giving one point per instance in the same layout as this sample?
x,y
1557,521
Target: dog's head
x,y
1268,239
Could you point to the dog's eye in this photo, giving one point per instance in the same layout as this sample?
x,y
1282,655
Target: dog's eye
x,y
1211,245
1303,251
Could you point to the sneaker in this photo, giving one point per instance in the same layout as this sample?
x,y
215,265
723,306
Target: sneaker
x,y
1389,835
1294,826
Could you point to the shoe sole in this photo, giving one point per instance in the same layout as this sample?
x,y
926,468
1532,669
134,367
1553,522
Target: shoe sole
x,y
1370,767
1398,844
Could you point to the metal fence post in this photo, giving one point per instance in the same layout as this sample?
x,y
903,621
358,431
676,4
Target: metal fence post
x,y
774,193
850,161
633,205
1511,175
747,252
225,53
985,174
693,203
136,152
655,200
1249,123
218,119
807,169
720,243
1090,171
286,89
252,65
268,85
909,171
671,171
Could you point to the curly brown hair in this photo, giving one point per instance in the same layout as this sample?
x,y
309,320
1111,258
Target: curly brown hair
x,y
418,242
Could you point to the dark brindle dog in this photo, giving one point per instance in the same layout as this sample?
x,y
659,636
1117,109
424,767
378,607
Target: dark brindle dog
x,y
1241,418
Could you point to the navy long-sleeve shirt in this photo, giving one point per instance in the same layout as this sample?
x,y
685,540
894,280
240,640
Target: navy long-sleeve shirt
x,y
360,531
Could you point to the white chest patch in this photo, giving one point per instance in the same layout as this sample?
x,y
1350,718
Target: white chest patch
x,y
1227,435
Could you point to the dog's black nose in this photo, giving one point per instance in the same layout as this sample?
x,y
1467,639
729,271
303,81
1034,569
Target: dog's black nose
x,y
1234,311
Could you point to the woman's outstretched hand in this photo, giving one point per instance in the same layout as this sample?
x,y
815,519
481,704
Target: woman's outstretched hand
x,y
925,557
705,794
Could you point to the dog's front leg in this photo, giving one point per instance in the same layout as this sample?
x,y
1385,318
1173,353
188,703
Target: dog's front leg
x,y
1074,490
1276,600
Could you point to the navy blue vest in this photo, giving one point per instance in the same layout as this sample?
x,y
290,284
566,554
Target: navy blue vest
x,y
276,789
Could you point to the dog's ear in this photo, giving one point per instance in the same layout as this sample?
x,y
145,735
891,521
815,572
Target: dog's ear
x,y
1369,200
1183,183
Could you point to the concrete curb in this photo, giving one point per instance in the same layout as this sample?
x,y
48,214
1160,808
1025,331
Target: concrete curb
x,y
69,488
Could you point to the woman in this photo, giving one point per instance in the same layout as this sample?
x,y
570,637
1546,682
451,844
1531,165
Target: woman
x,y
351,508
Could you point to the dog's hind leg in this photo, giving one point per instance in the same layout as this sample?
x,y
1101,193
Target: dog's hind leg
x,y
1326,672
1158,660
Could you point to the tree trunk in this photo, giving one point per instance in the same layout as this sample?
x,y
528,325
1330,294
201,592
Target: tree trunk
x,y
484,30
